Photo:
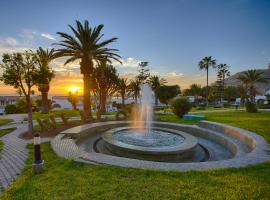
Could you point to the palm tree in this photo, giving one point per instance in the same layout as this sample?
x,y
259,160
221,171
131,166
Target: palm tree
x,y
122,88
45,74
86,47
223,72
134,88
155,83
242,92
250,78
105,83
204,64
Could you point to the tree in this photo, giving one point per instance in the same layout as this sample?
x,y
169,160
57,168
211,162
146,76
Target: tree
x,y
86,47
20,71
105,79
222,73
134,89
249,79
204,64
231,93
165,93
45,75
195,90
73,99
122,87
155,83
143,72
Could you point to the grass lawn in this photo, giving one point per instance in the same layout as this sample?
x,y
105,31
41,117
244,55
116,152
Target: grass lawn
x,y
6,131
5,121
66,179
56,113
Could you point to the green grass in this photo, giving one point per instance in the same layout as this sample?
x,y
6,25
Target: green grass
x,y
66,179
1,147
173,119
256,122
56,113
6,131
5,121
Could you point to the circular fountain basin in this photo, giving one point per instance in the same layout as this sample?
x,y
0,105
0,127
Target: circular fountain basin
x,y
160,144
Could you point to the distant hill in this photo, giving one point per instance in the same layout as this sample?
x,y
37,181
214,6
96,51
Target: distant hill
x,y
262,88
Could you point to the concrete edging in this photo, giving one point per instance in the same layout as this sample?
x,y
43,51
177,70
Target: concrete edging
x,y
255,151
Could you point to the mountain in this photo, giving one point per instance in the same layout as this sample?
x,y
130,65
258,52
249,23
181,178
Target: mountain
x,y
262,88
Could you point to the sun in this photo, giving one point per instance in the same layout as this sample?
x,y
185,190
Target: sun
x,y
74,89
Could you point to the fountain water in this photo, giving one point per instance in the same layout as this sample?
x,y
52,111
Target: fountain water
x,y
145,110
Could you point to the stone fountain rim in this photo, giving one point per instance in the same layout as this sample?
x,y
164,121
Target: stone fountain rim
x,y
66,147
189,143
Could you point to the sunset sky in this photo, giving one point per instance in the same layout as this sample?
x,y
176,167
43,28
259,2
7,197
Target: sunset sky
x,y
173,36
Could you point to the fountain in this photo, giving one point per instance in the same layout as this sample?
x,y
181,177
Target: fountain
x,y
143,141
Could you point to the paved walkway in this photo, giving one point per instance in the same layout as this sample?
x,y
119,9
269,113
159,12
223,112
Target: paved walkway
x,y
13,156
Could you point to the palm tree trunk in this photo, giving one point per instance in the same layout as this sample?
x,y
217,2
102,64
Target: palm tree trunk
x,y
223,87
156,100
123,98
103,99
30,118
136,98
207,89
86,96
44,101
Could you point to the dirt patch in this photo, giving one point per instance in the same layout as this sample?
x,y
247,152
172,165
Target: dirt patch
x,y
50,133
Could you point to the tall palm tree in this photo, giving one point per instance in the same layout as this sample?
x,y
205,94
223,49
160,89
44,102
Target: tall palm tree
x,y
155,83
45,74
223,72
250,78
85,45
134,89
122,88
205,64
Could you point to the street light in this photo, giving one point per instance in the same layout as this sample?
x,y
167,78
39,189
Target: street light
x,y
38,163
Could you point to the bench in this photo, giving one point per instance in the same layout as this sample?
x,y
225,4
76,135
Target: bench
x,y
194,117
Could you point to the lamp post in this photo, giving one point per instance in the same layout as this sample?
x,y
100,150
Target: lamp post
x,y
38,163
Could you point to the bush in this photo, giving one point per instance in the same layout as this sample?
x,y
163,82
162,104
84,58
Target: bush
x,y
56,106
180,106
121,115
226,105
10,109
251,107
128,108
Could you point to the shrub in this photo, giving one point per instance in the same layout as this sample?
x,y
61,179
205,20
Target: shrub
x,y
56,106
226,105
10,109
251,107
121,115
180,106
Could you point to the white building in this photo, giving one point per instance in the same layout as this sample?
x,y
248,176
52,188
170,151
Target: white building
x,y
7,100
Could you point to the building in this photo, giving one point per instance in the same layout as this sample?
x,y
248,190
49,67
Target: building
x,y
7,100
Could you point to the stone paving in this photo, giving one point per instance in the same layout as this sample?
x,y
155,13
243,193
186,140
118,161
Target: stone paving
x,y
13,155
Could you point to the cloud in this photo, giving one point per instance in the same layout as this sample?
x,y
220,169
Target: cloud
x,y
48,36
127,63
174,74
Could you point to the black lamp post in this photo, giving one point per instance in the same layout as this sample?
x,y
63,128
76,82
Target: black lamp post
x,y
38,163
